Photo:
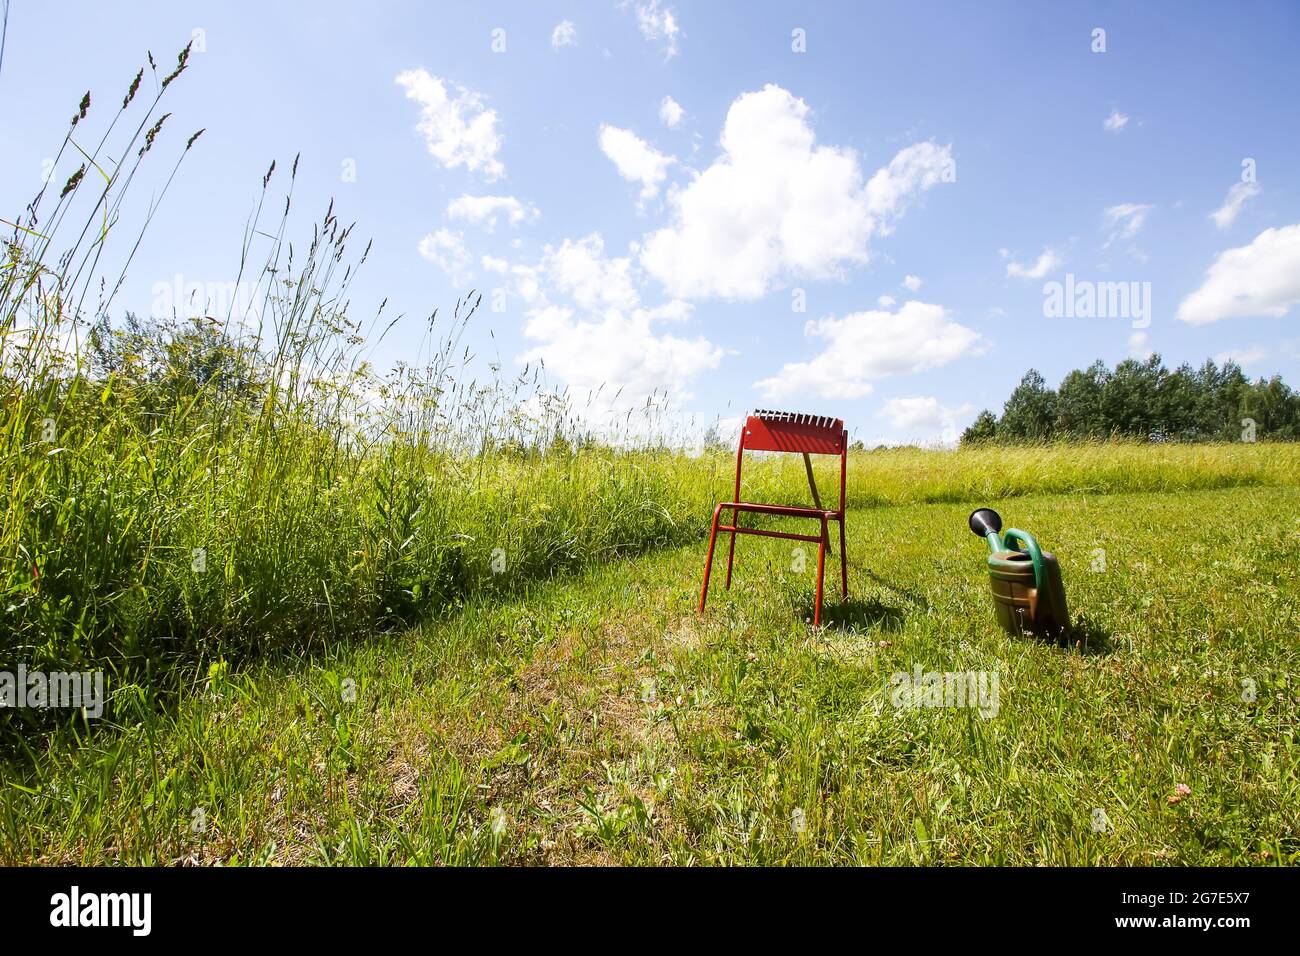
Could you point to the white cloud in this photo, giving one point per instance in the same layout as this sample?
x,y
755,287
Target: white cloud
x,y
636,160
457,129
619,350
866,346
1262,278
493,264
590,330
659,24
486,210
1226,214
1115,122
1251,355
775,204
923,412
527,283
1139,345
564,34
886,301
547,322
446,250
912,283
671,112
1046,262
1125,220
913,170
581,271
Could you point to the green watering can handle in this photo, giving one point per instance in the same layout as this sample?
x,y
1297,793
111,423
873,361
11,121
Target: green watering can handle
x,y
1035,554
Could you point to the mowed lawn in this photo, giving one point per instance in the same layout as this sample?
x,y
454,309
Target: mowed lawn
x,y
597,719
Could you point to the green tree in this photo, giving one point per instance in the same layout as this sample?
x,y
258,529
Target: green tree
x,y
1178,406
983,429
1271,404
1142,399
1131,396
1078,403
1030,411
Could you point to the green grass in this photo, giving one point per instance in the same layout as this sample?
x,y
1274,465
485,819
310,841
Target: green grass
x,y
596,718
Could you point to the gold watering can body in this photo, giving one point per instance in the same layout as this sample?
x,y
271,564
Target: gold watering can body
x,y
1028,593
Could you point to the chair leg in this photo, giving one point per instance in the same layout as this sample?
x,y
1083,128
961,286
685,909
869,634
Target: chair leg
x,y
708,561
821,567
844,564
731,551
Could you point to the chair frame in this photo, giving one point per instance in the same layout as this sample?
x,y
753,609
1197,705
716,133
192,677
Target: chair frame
x,y
794,433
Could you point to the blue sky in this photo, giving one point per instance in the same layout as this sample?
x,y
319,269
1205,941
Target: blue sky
x,y
669,196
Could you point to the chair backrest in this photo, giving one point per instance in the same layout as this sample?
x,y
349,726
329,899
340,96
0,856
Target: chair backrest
x,y
793,431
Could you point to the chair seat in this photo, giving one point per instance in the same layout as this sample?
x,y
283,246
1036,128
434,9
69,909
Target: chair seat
x,y
793,511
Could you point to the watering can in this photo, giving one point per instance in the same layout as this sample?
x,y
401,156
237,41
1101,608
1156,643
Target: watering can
x,y
1026,580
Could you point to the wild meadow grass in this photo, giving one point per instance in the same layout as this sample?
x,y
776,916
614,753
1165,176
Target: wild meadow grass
x,y
909,475
426,616
595,718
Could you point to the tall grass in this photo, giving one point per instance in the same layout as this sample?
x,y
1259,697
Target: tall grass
x,y
192,489
988,473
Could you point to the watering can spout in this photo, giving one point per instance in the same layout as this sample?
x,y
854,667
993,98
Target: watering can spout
x,y
986,523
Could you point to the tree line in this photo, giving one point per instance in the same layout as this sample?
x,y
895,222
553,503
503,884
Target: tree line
x,y
1143,399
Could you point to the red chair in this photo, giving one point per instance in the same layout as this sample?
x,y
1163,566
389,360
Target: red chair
x,y
787,432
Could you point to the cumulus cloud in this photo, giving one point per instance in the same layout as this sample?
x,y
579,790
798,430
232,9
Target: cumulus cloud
x,y
776,204
1226,214
446,250
925,417
1260,279
1115,122
587,324
922,412
911,283
659,25
1045,263
581,271
619,350
564,34
486,210
671,112
864,347
635,159
458,129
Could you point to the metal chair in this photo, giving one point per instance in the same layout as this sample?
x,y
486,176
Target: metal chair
x,y
787,432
